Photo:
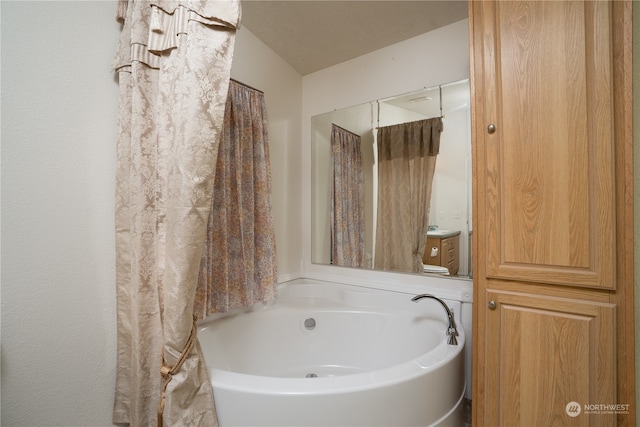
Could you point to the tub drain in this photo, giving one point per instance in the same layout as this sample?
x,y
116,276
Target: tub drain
x,y
311,376
310,324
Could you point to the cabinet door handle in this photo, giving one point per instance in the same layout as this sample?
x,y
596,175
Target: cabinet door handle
x,y
491,128
492,305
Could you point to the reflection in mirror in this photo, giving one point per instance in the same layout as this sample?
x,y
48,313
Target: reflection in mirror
x,y
446,234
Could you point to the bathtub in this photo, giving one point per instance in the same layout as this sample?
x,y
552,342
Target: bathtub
x,y
327,354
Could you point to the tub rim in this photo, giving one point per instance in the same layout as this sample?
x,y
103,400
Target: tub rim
x,y
399,373
437,357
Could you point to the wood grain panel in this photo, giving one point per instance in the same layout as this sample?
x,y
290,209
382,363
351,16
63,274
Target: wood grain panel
x,y
547,352
553,210
550,165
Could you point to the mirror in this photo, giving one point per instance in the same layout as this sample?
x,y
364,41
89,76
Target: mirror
x,y
449,234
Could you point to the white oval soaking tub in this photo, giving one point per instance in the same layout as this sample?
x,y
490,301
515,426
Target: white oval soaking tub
x,y
327,354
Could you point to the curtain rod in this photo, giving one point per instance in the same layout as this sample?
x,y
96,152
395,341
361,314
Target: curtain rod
x,y
346,130
413,121
246,85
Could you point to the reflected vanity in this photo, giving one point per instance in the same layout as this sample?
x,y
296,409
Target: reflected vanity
x,y
448,235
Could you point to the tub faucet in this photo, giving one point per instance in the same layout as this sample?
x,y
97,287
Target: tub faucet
x,y
452,331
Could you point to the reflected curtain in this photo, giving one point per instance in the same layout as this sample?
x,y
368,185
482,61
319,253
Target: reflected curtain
x,y
238,266
173,64
347,199
406,165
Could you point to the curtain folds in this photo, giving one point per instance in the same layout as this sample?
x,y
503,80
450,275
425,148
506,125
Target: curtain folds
x,y
238,266
347,199
406,165
173,64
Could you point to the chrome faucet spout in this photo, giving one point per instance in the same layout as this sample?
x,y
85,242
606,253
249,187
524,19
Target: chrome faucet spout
x,y
452,330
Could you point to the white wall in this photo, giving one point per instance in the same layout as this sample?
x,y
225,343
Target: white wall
x,y
424,61
59,118
59,121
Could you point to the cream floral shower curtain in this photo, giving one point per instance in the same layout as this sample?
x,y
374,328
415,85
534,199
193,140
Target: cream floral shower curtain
x,y
173,65
347,199
238,267
406,165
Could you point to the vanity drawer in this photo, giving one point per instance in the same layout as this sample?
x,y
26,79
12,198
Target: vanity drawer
x,y
450,249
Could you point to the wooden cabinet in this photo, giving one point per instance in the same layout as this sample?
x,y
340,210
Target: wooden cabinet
x,y
545,352
549,87
444,251
553,310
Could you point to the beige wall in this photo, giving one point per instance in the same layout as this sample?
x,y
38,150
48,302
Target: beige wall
x,y
59,123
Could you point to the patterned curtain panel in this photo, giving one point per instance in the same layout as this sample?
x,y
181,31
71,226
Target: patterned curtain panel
x,y
406,165
347,199
238,266
173,66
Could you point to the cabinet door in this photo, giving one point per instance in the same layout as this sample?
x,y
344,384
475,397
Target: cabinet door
x,y
542,354
544,136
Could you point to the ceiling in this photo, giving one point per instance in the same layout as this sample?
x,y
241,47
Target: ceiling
x,y
311,35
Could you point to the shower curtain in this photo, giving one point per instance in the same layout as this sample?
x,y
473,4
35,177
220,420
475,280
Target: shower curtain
x,y
173,64
406,164
238,267
347,199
